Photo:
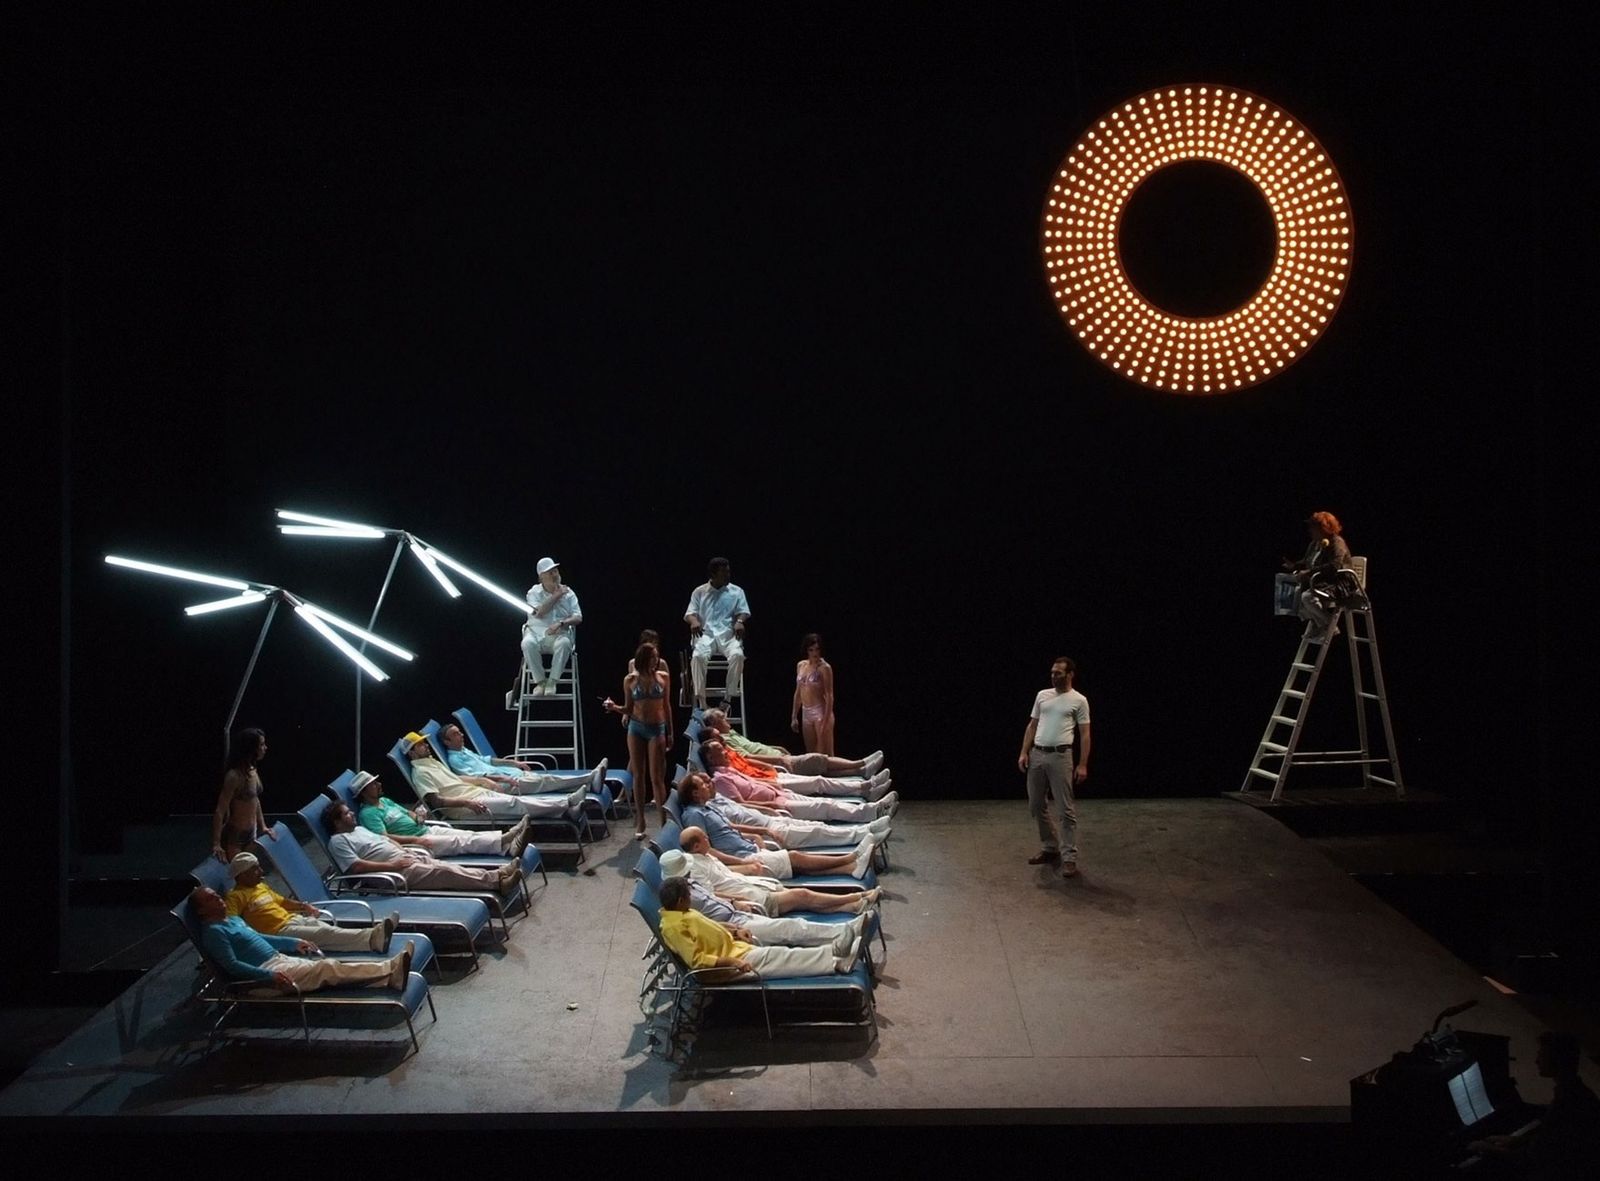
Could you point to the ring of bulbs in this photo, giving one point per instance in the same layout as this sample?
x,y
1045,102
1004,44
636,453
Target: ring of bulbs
x,y
1082,251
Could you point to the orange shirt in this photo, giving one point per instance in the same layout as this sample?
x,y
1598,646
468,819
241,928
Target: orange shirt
x,y
749,767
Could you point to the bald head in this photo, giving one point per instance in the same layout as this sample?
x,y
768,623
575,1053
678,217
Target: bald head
x,y
694,840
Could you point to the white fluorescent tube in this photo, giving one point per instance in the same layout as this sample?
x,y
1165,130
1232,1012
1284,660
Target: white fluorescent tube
x,y
329,531
520,604
340,643
244,600
432,567
327,522
360,633
174,572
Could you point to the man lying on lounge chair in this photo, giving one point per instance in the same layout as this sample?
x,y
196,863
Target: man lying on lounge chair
x,y
701,943
768,893
383,816
356,850
745,922
695,794
813,763
268,912
461,797
280,962
508,774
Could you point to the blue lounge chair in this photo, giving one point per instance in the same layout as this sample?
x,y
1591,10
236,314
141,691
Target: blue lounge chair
x,y
342,791
232,995
573,822
648,870
615,789
459,921
390,884
687,988
213,873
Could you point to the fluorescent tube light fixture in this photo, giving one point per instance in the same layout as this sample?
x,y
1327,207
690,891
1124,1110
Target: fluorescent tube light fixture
x,y
174,572
247,599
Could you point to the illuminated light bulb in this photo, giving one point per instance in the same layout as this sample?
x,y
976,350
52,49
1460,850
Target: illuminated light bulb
x,y
1106,167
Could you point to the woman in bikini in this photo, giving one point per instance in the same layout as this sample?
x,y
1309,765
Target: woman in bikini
x,y
649,722
238,819
813,697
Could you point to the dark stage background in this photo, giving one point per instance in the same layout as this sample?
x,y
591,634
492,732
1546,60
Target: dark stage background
x,y
632,297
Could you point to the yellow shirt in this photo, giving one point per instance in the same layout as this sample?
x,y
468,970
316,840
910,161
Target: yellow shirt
x,y
260,906
698,941
430,776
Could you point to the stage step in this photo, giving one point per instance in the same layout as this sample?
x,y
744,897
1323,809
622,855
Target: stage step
x,y
1313,811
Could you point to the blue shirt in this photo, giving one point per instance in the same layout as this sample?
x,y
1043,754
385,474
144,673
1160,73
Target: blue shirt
x,y
713,907
470,762
719,831
240,951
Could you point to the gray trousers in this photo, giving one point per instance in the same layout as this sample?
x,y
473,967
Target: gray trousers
x,y
1050,784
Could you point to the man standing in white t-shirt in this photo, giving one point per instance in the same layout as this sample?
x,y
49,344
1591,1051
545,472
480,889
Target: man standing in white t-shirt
x,y
1059,723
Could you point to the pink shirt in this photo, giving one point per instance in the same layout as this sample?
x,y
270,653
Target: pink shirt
x,y
735,786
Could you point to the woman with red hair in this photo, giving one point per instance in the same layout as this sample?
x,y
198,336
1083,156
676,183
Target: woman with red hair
x,y
1318,570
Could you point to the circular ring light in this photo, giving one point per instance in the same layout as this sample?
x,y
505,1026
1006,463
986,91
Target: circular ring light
x,y
1082,254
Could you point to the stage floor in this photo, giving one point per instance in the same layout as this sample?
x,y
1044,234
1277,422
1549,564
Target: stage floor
x,y
1207,965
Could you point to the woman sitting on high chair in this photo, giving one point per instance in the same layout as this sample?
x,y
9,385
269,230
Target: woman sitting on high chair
x,y
813,697
1318,572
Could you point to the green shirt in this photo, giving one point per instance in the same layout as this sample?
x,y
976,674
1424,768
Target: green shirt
x,y
386,817
734,740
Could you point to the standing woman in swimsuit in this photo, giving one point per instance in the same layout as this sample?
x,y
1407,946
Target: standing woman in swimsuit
x,y
649,732
813,697
238,819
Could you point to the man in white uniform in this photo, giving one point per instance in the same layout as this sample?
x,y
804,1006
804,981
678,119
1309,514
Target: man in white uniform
x,y
716,617
1058,725
553,619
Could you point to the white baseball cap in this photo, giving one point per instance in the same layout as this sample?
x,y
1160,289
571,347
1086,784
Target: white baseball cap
x,y
546,564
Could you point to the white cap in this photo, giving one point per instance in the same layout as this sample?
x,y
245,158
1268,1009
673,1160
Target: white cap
x,y
546,564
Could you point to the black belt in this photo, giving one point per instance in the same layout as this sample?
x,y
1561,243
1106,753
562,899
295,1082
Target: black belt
x,y
1054,750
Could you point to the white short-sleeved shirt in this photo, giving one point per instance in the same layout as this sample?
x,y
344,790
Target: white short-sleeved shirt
x,y
361,844
722,880
1059,715
718,607
566,606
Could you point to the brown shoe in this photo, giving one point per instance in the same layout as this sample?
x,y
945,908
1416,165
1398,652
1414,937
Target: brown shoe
x,y
524,835
1045,857
403,968
1069,870
510,876
516,838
